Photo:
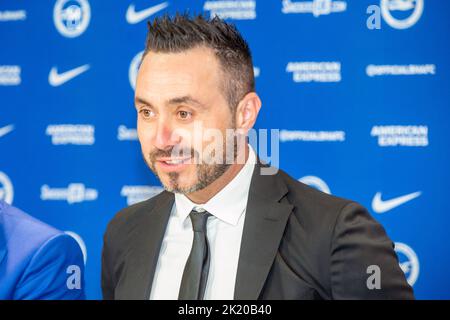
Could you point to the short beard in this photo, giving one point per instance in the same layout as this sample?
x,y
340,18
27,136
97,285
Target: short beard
x,y
206,173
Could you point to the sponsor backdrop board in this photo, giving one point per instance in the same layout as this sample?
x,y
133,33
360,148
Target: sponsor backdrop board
x,y
357,91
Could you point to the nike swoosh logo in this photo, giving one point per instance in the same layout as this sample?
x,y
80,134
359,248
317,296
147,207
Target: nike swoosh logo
x,y
134,17
381,206
5,130
56,79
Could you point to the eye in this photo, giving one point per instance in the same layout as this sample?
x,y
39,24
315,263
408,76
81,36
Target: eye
x,y
147,113
184,115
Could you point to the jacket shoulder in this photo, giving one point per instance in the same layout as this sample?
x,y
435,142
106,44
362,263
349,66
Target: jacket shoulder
x,y
312,202
20,228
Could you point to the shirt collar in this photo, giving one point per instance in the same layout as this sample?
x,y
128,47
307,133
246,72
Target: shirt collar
x,y
229,203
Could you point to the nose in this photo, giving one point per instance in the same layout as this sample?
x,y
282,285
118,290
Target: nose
x,y
165,136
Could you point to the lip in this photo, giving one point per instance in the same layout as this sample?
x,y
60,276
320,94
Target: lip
x,y
172,158
167,167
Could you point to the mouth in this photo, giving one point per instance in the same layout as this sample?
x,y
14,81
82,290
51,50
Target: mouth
x,y
173,164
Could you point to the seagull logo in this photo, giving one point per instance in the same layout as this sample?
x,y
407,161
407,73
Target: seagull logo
x,y
56,79
381,206
5,130
134,16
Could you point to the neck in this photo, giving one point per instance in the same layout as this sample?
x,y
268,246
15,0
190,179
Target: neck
x,y
203,195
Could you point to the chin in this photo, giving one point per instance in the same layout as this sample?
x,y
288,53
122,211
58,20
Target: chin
x,y
179,186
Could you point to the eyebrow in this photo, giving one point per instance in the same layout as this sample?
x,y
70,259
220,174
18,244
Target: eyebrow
x,y
186,99
139,100
177,100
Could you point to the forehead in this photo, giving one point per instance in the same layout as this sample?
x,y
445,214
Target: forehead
x,y
162,75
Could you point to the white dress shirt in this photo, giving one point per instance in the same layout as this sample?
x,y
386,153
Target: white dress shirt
x,y
224,232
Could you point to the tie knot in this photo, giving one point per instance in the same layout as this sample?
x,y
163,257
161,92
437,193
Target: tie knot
x,y
199,220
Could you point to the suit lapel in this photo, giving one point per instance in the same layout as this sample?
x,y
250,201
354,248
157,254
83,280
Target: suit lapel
x,y
264,225
146,238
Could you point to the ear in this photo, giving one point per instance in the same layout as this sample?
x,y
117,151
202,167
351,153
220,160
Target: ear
x,y
247,111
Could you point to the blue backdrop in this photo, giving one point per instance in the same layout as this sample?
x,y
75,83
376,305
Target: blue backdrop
x,y
359,90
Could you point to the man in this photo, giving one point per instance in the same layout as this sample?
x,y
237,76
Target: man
x,y
227,229
37,262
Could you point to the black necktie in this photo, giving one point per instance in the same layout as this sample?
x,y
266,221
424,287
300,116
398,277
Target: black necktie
x,y
195,273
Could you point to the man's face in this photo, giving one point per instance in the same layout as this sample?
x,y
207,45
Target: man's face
x,y
178,96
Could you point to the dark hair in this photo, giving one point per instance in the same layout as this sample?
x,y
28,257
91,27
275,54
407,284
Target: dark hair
x,y
182,32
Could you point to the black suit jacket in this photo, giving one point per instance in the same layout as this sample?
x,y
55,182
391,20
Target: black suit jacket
x,y
297,243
